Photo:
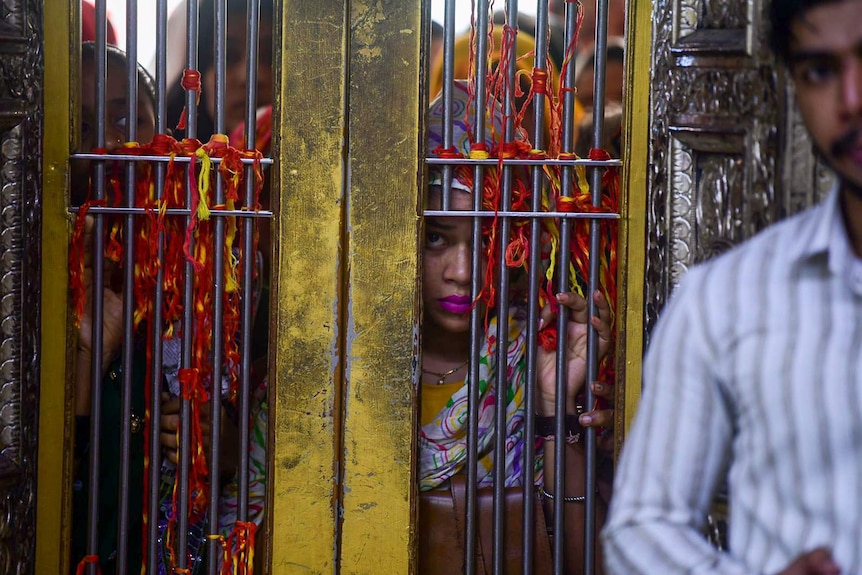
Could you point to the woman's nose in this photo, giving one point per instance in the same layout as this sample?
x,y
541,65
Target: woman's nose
x,y
460,266
114,138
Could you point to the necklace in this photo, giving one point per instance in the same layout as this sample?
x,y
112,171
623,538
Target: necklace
x,y
442,376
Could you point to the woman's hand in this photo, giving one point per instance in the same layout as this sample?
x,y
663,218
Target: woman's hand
x,y
601,417
576,351
112,324
170,423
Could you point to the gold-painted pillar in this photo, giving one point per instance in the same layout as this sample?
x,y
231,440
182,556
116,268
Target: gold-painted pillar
x,y
632,251
53,498
305,364
382,296
345,291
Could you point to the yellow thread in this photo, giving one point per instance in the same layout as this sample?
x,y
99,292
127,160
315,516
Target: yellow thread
x,y
231,282
479,155
203,184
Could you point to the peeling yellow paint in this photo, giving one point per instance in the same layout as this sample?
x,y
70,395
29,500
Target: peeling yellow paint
x,y
379,437
632,246
54,467
305,379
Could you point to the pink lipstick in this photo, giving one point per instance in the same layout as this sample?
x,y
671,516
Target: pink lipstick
x,y
457,304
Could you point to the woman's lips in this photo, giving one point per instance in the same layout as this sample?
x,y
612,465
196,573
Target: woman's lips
x,y
457,304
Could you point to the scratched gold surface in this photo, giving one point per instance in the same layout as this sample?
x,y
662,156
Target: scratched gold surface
x,y
632,244
305,369
53,497
381,297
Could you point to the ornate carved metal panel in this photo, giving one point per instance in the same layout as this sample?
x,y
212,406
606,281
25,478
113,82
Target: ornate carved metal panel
x,y
728,153
21,67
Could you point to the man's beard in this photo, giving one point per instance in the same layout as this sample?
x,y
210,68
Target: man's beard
x,y
842,147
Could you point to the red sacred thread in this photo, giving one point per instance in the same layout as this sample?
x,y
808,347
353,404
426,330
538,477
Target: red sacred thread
x,y
450,152
478,147
548,338
82,565
567,204
540,81
240,549
148,229
77,257
517,250
191,81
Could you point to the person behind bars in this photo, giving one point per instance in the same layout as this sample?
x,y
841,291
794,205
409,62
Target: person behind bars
x,y
445,351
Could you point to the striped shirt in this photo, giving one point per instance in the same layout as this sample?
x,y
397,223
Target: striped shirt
x,y
754,374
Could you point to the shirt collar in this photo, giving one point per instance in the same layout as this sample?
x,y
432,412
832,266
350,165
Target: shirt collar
x,y
819,238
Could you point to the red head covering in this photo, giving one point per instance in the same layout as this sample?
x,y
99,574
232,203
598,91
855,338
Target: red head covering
x,y
88,24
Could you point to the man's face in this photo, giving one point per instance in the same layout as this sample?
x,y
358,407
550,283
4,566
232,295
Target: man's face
x,y
826,64
235,73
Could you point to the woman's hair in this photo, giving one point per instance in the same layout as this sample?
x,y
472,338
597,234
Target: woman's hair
x,y
782,14
615,52
118,57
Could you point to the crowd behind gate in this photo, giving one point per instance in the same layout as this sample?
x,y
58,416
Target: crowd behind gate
x,y
742,396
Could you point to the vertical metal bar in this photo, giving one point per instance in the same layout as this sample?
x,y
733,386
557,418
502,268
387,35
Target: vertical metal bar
x,y
184,459
541,35
567,185
593,282
128,294
477,328
448,76
502,344
253,14
97,294
155,406
219,49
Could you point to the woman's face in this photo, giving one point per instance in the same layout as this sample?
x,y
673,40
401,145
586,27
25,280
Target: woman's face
x,y
235,73
116,118
446,270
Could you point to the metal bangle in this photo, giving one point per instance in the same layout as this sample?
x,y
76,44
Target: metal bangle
x,y
550,496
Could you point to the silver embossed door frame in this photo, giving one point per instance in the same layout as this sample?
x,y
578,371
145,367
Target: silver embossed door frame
x,y
728,155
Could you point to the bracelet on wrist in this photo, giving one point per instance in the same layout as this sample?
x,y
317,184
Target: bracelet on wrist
x,y
550,496
546,427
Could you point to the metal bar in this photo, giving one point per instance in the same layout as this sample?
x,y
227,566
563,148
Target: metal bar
x,y
477,332
97,294
593,282
184,455
154,384
128,294
537,181
519,162
246,317
524,215
182,212
163,159
567,182
448,80
502,344
220,51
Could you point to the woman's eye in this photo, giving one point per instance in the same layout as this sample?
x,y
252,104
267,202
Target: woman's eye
x,y
433,240
85,132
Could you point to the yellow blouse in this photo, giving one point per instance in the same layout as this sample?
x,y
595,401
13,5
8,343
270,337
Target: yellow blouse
x,y
434,398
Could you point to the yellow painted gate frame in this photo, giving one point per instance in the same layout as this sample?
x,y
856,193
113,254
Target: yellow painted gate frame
x,y
344,341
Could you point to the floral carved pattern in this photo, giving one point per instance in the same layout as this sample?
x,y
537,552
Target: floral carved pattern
x,y
21,115
718,117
